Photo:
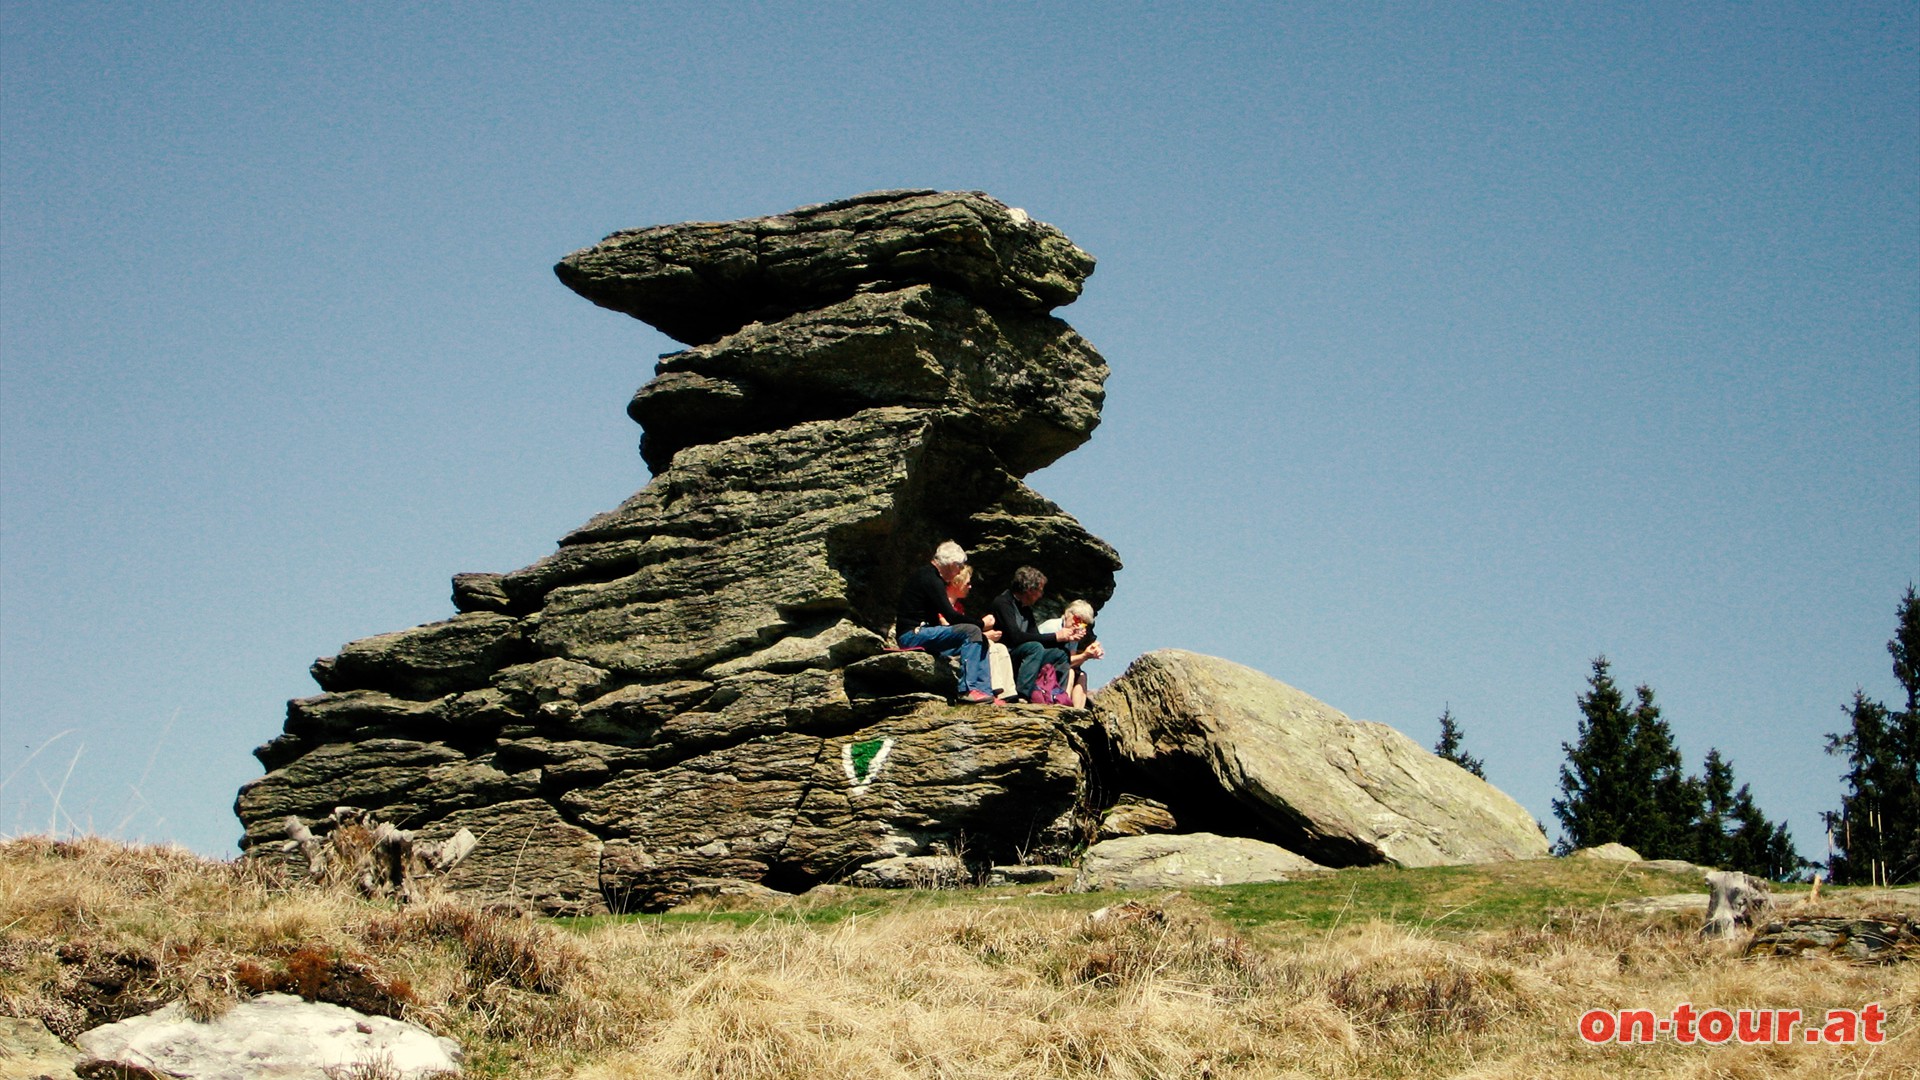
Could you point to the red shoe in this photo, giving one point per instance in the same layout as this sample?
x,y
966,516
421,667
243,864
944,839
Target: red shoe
x,y
978,697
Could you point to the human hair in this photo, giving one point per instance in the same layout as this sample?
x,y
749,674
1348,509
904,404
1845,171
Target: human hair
x,y
949,554
962,578
1081,611
1026,579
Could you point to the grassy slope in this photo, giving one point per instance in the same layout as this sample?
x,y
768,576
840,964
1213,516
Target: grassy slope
x,y
1459,971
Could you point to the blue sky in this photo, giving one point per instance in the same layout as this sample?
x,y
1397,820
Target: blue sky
x,y
1452,345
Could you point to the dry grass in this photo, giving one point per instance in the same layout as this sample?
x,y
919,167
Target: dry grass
x,y
923,987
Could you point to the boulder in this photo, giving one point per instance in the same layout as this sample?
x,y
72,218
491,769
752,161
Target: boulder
x,y
732,890
272,1037
912,872
1044,875
1224,743
701,280
479,592
672,694
1186,861
1608,853
1132,815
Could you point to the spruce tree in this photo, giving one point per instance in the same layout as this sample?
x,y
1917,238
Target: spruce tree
x,y
1711,844
1877,829
1449,745
1760,847
1731,832
1623,779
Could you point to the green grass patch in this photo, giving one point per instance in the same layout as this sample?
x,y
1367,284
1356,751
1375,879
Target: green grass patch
x,y
1444,900
825,907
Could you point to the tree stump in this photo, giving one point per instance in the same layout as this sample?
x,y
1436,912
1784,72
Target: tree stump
x,y
1736,899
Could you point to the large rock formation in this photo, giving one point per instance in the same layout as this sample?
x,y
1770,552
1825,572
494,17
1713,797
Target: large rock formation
x,y
695,693
1229,748
696,684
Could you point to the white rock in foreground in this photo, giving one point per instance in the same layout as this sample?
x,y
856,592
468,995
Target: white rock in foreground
x,y
28,1051
272,1037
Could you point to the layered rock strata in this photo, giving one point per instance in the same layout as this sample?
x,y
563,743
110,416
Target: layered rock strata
x,y
1230,749
696,684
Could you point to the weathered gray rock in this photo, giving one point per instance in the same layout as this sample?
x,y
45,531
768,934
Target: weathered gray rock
x,y
785,534
1025,384
383,773
479,592
1299,773
1133,815
529,857
1608,853
669,696
427,661
794,808
28,1051
912,872
893,673
1873,939
1187,861
751,892
273,1037
1041,874
700,280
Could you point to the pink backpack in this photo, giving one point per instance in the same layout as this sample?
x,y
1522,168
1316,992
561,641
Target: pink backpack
x,y
1046,688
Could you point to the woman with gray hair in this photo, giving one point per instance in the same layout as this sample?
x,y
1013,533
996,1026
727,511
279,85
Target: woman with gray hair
x,y
1078,613
926,619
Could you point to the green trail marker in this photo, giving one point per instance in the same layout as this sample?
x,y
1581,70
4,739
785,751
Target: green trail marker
x,y
863,760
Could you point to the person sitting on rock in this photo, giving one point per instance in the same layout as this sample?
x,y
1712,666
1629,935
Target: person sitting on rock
x,y
999,661
1078,613
1030,648
926,619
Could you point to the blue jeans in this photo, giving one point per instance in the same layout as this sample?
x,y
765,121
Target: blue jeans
x,y
963,639
1029,656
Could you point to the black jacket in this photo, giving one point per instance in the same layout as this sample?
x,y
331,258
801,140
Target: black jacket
x,y
923,601
1016,623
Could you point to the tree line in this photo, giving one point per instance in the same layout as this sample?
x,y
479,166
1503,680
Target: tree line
x,y
1624,782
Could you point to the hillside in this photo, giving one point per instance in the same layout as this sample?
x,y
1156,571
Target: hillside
x,y
1457,971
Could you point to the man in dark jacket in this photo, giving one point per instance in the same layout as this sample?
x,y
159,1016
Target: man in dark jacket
x,y
1021,634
